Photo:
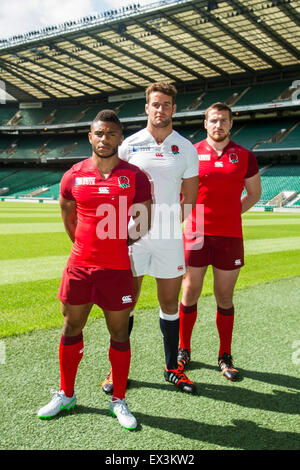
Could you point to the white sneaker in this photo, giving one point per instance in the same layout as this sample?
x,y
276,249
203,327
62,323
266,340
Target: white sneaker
x,y
58,403
119,409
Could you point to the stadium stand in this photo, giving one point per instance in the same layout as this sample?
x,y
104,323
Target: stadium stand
x,y
24,181
282,181
287,137
267,134
62,76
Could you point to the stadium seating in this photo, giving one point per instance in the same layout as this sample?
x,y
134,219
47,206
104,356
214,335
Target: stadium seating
x,y
6,113
255,135
188,101
264,93
296,203
288,137
262,135
25,180
279,178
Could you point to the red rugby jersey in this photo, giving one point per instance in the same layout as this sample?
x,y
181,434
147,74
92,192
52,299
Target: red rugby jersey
x,y
221,184
103,207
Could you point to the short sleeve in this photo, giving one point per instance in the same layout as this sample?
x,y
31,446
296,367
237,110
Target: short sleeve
x,y
66,185
123,151
253,167
142,188
192,168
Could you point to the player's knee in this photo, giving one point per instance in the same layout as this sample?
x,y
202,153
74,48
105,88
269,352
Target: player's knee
x,y
190,294
170,308
119,336
224,301
72,327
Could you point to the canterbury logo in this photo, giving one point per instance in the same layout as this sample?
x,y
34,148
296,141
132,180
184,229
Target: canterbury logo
x,y
126,299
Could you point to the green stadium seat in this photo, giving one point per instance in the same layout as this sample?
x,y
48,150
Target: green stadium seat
x,y
279,178
264,93
254,134
6,113
288,136
23,180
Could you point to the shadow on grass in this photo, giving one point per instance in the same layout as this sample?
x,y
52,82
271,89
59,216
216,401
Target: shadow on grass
x,y
266,377
242,434
279,401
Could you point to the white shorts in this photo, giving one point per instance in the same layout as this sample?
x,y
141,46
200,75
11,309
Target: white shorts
x,y
158,258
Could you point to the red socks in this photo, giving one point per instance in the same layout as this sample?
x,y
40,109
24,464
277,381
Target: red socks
x,y
187,319
70,355
224,320
119,356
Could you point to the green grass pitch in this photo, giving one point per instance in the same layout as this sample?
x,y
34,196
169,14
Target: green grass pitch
x,y
261,411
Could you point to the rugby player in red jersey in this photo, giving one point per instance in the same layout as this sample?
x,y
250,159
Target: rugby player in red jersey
x,y
98,196
225,170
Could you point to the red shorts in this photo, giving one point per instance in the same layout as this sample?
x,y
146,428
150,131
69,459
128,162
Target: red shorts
x,y
110,289
225,253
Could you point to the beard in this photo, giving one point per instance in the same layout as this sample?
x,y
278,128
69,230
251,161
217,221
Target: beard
x,y
113,152
219,138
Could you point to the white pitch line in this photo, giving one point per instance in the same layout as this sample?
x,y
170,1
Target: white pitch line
x,y
51,227
271,245
31,269
262,222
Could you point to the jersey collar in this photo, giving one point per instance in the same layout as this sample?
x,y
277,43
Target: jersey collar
x,y
214,153
164,141
90,165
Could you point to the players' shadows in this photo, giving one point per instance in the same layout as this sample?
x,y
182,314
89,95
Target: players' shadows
x,y
241,434
278,401
266,377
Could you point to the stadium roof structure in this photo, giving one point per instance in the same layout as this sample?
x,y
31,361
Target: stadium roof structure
x,y
190,43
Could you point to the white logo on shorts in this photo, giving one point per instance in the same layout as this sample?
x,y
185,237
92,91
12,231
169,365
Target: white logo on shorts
x,y
126,299
237,262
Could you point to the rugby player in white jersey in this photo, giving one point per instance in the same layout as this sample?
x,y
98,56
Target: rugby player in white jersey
x,y
171,163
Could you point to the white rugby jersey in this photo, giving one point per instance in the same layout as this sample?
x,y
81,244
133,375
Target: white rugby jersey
x,y
166,166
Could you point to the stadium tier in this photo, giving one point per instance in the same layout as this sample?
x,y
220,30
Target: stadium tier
x,y
39,148
17,182
268,134
280,179
255,135
287,137
237,97
277,180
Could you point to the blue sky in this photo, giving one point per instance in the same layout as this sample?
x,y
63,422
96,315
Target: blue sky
x,y
21,16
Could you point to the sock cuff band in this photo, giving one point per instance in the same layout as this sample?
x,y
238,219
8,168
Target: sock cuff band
x,y
226,311
188,309
70,340
166,316
120,346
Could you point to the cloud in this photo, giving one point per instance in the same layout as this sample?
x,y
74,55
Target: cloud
x,y
19,16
